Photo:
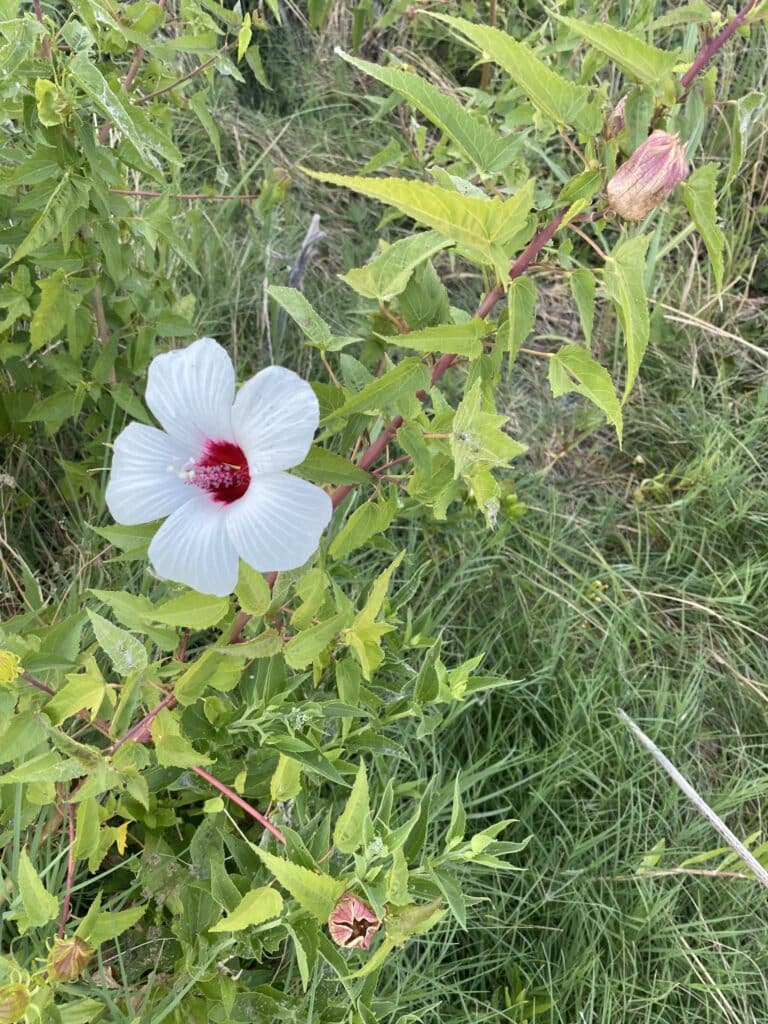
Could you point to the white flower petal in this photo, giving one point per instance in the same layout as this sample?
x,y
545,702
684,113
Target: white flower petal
x,y
277,523
144,483
193,547
191,390
274,419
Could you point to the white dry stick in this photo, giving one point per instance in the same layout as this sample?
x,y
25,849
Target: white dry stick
x,y
733,841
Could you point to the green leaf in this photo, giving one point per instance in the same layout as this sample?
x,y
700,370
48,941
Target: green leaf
x,y
364,636
307,645
461,339
256,907
285,783
47,767
582,284
128,119
19,734
318,894
83,690
103,926
477,438
322,466
574,369
701,200
172,749
521,313
488,151
643,62
50,316
624,279
369,520
562,101
303,313
215,667
489,228
458,823
192,611
40,906
413,920
244,36
125,652
62,204
87,827
383,392
348,833
198,102
389,272
256,64
252,590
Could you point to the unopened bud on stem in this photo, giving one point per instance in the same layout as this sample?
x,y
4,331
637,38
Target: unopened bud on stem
x,y
616,120
648,177
67,958
14,1000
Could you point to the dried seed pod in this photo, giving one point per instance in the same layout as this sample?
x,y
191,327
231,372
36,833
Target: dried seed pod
x,y
352,923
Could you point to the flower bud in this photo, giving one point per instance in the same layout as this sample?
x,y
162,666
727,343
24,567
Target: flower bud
x,y
645,180
14,1000
616,120
68,958
352,923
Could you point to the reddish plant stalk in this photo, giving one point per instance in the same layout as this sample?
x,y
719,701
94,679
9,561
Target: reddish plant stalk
x,y
710,49
230,794
67,903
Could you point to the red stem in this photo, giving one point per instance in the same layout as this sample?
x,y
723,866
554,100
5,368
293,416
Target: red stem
x,y
65,907
140,733
235,798
708,51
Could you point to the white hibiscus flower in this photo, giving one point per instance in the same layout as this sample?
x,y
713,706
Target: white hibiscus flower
x,y
217,470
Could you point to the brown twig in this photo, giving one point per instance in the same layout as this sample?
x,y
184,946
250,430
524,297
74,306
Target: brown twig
x,y
45,43
150,193
67,903
146,97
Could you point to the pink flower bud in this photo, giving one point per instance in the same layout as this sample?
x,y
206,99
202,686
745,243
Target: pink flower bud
x,y
615,121
645,180
68,958
14,1000
352,923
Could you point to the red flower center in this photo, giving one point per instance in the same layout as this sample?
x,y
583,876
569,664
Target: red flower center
x,y
222,470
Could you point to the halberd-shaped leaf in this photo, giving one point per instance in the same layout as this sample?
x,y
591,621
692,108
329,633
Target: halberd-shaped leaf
x,y
316,893
256,907
564,102
389,272
700,198
487,150
348,833
624,280
574,369
646,63
489,229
